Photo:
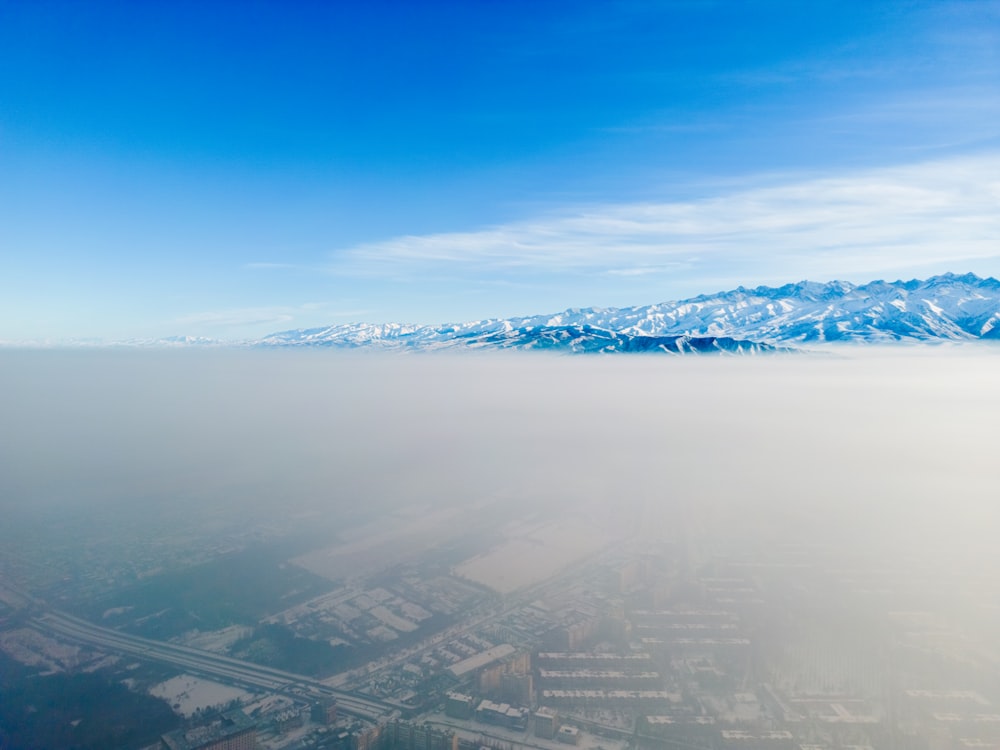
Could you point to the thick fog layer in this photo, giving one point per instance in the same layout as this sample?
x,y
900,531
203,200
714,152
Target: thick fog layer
x,y
867,451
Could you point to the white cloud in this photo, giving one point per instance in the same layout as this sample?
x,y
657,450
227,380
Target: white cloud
x,y
268,266
238,317
254,316
943,213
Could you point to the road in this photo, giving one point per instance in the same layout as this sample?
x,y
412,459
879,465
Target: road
x,y
208,664
252,675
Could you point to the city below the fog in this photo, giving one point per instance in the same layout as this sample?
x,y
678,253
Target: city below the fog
x,y
520,632
431,553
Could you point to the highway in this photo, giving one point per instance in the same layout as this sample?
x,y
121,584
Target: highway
x,y
208,664
237,671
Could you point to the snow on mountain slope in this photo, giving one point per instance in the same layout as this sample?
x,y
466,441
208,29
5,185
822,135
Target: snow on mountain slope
x,y
502,335
948,307
942,307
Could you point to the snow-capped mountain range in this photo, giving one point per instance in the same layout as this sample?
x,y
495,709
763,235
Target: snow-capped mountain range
x,y
509,334
945,307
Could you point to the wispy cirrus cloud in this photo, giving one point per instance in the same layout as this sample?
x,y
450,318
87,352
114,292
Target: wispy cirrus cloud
x,y
238,317
268,266
279,266
257,316
942,213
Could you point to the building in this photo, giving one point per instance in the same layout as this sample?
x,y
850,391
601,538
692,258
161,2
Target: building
x,y
587,660
401,735
546,723
369,738
517,688
290,718
575,634
467,667
598,678
459,706
695,731
501,679
234,730
325,711
640,699
502,714
777,739
569,735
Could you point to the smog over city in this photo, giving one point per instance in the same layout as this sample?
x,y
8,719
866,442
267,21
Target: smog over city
x,y
820,524
499,376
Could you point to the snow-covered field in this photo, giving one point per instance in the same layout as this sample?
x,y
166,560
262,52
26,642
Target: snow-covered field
x,y
380,546
216,641
34,649
534,555
187,694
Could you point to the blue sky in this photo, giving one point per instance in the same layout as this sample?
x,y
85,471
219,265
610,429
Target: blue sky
x,y
232,169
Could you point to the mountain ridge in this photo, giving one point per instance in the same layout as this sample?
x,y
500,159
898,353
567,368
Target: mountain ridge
x,y
793,316
948,307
